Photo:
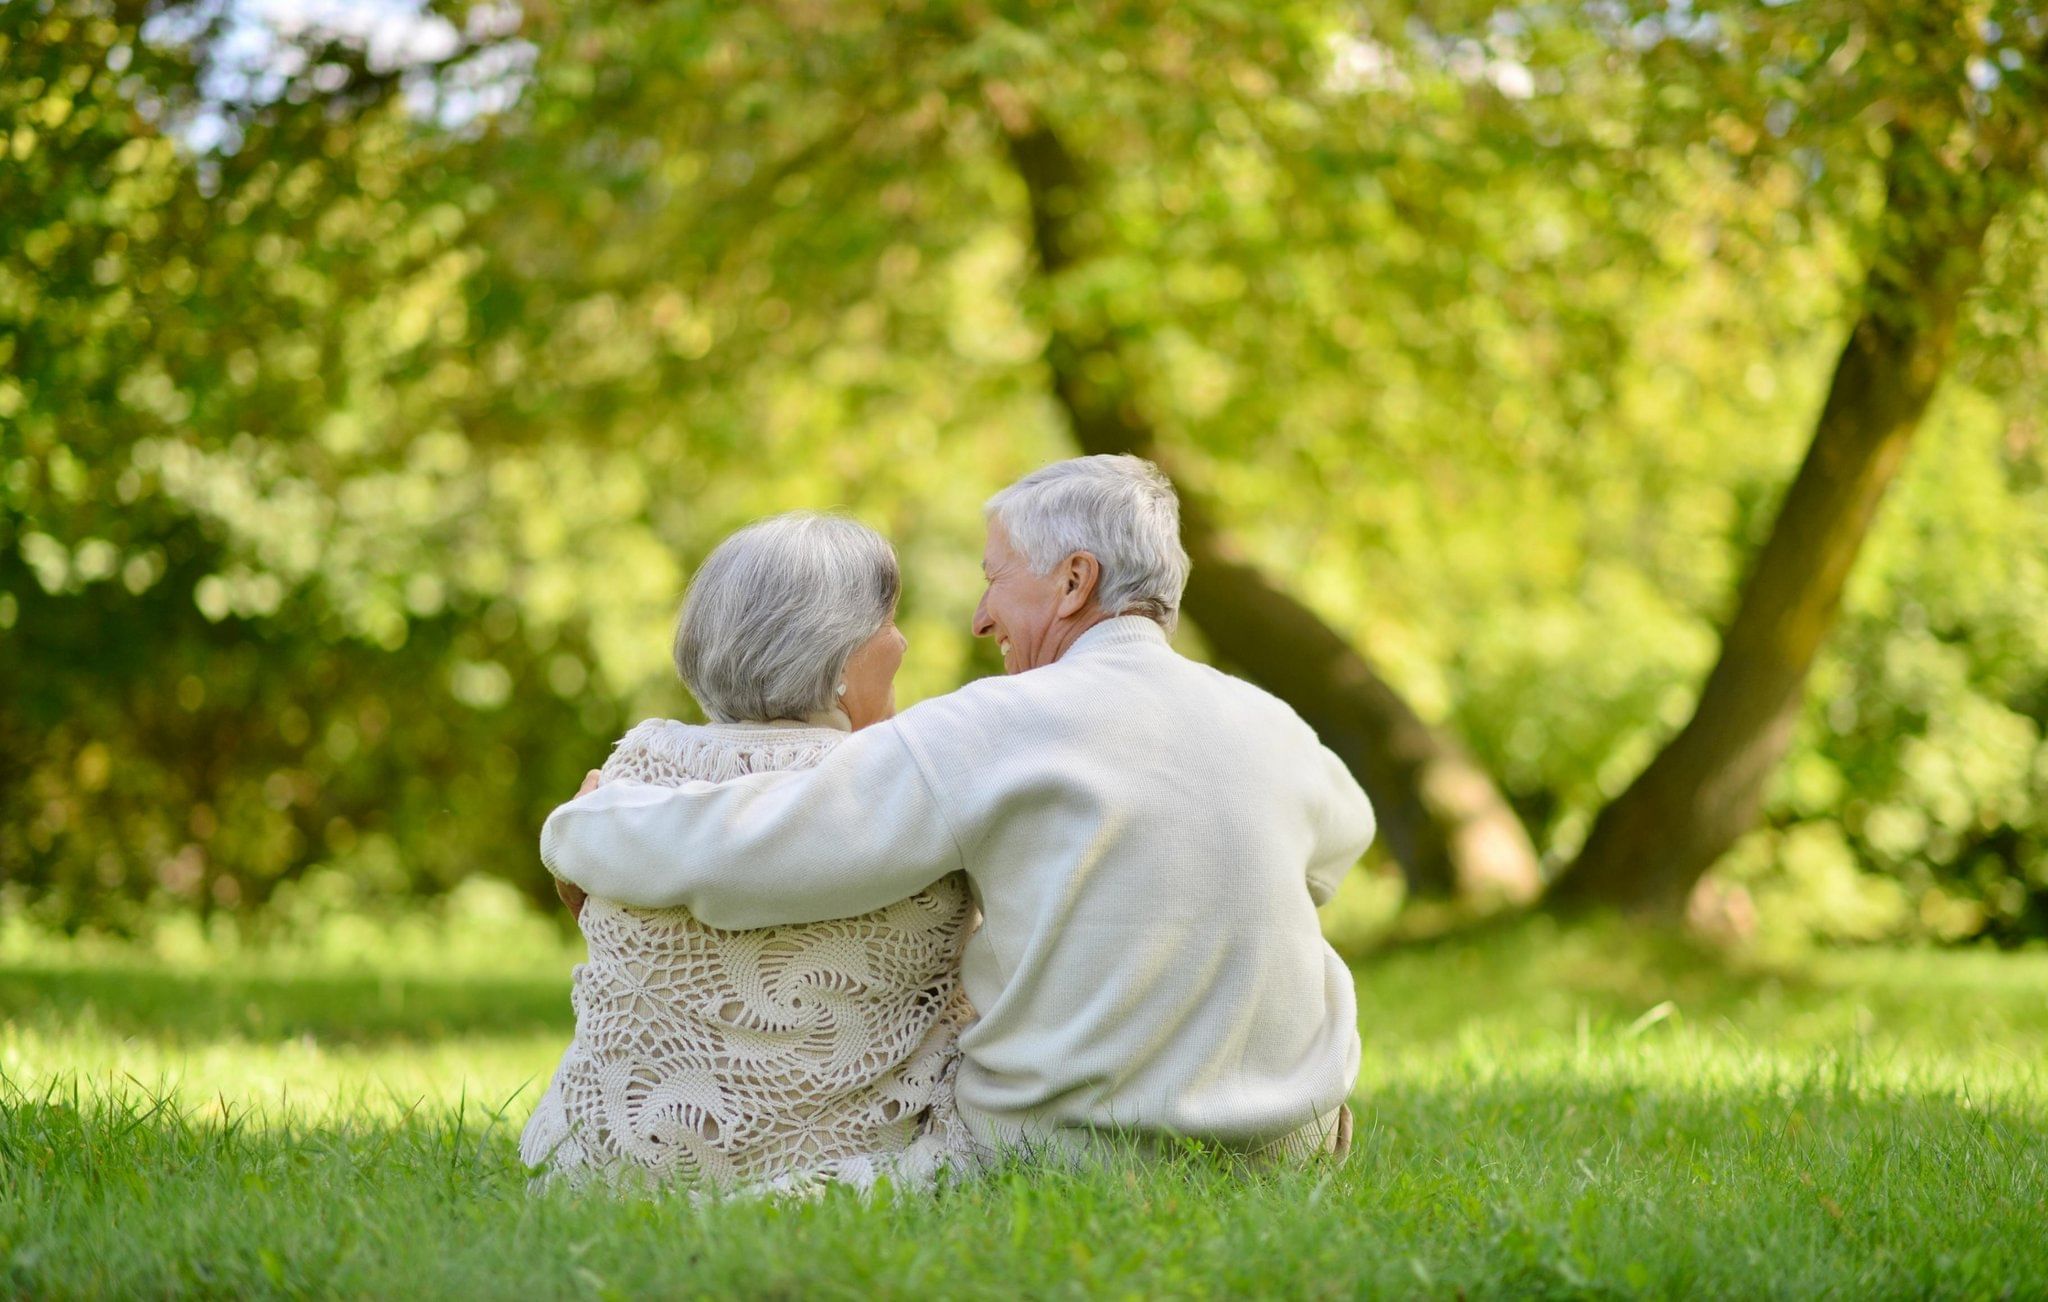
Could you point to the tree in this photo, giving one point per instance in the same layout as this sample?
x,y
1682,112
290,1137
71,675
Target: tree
x,y
223,659
1945,178
396,402
1705,788
1444,821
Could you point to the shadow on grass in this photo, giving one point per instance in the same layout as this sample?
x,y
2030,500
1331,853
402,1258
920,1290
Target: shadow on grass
x,y
1611,973
1530,974
1536,972
344,1008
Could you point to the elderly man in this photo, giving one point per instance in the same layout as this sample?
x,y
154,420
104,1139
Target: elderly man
x,y
1148,839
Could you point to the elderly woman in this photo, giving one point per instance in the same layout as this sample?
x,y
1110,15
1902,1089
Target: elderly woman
x,y
770,1057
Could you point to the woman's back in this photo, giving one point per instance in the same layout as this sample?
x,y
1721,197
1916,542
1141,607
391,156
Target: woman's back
x,y
736,1058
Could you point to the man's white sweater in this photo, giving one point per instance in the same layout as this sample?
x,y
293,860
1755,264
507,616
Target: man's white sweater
x,y
1148,839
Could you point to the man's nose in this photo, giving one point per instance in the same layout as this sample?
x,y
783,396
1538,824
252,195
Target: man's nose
x,y
983,625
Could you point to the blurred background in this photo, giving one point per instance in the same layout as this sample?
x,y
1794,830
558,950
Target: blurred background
x,y
1617,426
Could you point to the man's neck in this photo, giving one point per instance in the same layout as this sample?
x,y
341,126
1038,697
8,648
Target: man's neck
x,y
1068,633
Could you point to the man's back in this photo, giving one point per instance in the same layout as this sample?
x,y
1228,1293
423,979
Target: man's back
x,y
1140,828
1148,839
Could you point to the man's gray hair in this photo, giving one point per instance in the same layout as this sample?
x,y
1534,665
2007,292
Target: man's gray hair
x,y
1120,510
776,610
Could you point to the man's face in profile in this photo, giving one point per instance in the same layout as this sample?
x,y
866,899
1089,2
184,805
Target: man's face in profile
x,y
1019,607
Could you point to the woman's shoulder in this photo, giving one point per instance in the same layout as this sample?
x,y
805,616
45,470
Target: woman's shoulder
x,y
655,734
670,752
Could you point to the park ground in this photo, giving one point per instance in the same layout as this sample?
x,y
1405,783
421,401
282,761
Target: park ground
x,y
1541,1111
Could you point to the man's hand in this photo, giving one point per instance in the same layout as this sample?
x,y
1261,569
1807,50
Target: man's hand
x,y
572,894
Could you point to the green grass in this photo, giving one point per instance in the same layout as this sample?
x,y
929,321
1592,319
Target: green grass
x,y
1540,1112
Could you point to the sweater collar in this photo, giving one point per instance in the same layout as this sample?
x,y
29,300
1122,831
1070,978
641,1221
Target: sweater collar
x,y
1123,630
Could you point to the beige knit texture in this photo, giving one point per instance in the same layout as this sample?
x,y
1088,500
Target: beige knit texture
x,y
769,1059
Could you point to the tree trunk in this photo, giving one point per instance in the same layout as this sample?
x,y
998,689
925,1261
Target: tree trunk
x,y
1649,848
1443,820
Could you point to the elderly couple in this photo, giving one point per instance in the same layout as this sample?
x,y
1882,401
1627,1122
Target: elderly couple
x,y
1067,911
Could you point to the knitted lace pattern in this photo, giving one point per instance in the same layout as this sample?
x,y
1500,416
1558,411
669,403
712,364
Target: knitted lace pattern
x,y
773,1058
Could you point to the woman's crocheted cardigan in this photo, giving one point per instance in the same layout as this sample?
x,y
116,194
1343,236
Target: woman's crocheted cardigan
x,y
756,1059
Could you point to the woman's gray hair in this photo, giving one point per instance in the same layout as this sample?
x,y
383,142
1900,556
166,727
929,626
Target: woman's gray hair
x,y
776,610
1120,510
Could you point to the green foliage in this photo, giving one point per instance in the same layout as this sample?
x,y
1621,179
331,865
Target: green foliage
x,y
350,469
1548,1112
240,637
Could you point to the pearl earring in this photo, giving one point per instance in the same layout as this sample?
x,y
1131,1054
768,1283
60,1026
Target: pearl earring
x,y
842,689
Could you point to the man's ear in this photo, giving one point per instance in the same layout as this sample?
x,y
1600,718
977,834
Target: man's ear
x,y
1080,575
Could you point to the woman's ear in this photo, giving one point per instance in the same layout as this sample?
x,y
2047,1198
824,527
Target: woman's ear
x,y
1079,577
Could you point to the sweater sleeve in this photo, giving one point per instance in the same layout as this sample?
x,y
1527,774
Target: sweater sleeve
x,y
859,831
1344,826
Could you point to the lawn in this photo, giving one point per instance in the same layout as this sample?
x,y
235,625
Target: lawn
x,y
1540,1112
